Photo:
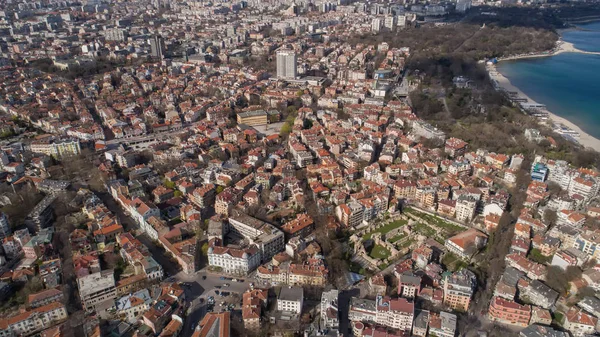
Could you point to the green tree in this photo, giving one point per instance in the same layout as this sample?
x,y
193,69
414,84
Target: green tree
x,y
169,184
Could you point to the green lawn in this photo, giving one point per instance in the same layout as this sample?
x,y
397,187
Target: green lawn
x,y
453,262
386,228
379,252
407,243
424,230
397,238
449,228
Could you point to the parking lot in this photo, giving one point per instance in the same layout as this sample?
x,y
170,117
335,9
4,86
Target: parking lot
x,y
208,292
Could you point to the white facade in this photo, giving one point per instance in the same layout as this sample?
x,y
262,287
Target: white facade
x,y
4,226
291,300
37,319
96,288
232,262
286,64
329,309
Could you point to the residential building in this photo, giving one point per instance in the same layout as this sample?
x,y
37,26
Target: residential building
x,y
509,312
290,299
213,324
286,64
362,310
35,320
421,323
465,209
580,323
536,330
442,324
465,244
252,118
4,226
458,289
130,307
409,285
397,313
97,290
253,303
57,148
537,293
45,297
329,309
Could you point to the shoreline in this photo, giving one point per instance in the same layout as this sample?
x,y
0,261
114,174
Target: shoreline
x,y
561,47
502,83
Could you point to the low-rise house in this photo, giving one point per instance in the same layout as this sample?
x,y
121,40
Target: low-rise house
x,y
442,324
540,316
213,324
536,330
537,293
421,323
465,244
35,320
579,323
131,307
591,305
253,303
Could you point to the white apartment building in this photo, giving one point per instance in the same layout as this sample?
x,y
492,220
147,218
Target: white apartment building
x,y
329,309
97,289
57,148
584,186
465,209
32,321
397,313
266,237
376,24
234,261
291,299
286,64
390,22
4,226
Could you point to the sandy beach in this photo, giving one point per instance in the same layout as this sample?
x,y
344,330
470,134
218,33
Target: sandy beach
x,y
561,47
502,83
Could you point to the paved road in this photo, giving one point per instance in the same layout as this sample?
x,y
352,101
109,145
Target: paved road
x,y
344,306
129,225
199,286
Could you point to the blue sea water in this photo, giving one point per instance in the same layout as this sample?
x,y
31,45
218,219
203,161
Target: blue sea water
x,y
568,83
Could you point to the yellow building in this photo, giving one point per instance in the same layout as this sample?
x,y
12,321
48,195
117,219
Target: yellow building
x,y
251,118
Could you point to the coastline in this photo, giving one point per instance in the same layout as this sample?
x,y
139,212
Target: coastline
x,y
561,47
502,83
